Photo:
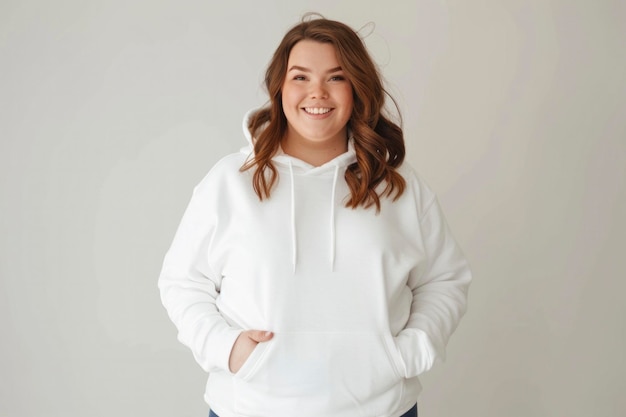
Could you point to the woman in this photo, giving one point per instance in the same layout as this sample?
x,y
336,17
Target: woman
x,y
313,273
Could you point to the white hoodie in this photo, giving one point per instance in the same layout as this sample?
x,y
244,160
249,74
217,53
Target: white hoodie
x,y
360,303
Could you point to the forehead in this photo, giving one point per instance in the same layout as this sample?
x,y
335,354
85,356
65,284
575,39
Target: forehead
x,y
313,54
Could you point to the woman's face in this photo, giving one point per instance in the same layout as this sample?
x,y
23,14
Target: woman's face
x,y
317,97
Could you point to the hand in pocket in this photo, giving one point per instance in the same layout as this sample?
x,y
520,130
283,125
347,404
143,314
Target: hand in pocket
x,y
244,345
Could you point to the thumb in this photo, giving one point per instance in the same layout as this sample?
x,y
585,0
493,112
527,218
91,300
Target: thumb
x,y
260,335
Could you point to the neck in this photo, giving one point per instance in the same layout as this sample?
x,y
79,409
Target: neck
x,y
314,152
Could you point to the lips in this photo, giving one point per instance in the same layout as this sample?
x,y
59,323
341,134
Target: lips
x,y
317,110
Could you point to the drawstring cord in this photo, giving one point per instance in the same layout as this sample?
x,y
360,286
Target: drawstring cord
x,y
294,242
332,220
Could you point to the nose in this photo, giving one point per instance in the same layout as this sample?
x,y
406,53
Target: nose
x,y
318,90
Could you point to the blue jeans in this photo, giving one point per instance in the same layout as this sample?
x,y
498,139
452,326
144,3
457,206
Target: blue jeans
x,y
411,413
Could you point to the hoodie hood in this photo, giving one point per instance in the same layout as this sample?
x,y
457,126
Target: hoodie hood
x,y
297,167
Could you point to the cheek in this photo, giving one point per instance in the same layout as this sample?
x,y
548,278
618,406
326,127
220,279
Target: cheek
x,y
348,100
287,101
347,95
290,95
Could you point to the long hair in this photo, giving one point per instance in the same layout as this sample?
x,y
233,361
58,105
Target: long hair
x,y
378,142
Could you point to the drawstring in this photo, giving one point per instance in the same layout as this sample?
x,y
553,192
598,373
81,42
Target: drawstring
x,y
294,242
332,221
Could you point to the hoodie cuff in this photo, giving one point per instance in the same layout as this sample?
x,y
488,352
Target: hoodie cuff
x,y
222,346
416,351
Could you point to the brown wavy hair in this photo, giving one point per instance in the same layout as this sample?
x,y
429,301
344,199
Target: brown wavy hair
x,y
378,142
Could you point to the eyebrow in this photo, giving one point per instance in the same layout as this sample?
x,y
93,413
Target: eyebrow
x,y
303,69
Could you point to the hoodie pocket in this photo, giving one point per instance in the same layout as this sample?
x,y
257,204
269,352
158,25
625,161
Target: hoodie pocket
x,y
324,371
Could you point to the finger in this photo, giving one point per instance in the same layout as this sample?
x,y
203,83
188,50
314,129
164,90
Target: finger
x,y
260,335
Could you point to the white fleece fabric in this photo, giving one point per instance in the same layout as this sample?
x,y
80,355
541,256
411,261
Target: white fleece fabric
x,y
360,303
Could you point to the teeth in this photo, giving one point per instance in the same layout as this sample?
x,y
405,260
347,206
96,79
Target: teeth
x,y
316,110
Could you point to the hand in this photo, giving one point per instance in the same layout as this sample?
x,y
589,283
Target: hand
x,y
244,345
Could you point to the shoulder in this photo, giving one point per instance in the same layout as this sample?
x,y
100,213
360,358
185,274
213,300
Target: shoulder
x,y
229,164
417,188
223,172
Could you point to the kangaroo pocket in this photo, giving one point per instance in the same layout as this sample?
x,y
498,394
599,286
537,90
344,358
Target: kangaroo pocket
x,y
319,373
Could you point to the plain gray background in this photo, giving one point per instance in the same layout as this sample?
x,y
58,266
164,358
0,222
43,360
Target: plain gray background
x,y
112,111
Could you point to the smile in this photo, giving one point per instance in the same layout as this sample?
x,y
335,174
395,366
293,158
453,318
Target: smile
x,y
317,110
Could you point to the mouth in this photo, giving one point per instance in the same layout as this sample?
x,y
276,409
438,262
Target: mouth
x,y
317,110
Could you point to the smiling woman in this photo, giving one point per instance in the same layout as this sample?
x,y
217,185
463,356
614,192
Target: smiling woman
x,y
317,102
378,144
313,273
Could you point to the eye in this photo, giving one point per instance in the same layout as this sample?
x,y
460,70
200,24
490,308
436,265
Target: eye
x,y
337,78
299,78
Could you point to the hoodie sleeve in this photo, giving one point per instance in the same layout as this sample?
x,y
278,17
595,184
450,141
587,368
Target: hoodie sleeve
x,y
189,288
439,291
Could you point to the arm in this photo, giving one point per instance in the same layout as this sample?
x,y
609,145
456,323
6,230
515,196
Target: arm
x,y
439,290
189,288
